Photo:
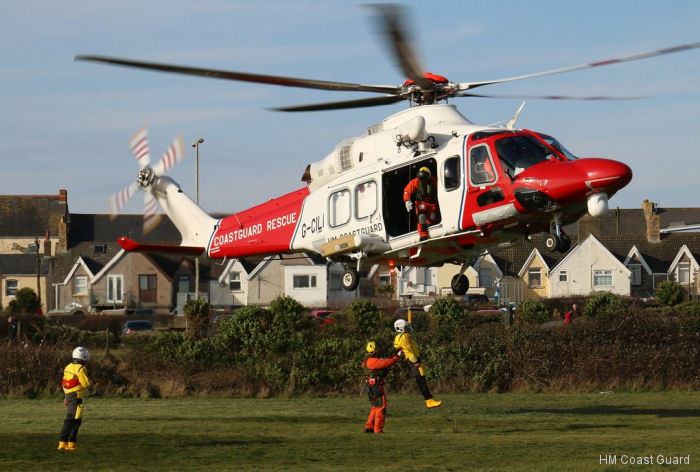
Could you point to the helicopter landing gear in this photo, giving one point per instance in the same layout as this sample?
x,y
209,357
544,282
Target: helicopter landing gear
x,y
557,240
350,279
460,282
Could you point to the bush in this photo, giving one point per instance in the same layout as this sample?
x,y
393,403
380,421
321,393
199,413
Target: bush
x,y
604,306
365,315
669,293
197,312
447,315
533,311
25,301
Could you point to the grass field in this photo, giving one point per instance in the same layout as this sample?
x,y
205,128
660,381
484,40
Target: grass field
x,y
508,432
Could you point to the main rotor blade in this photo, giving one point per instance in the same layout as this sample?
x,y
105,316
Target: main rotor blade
x,y
242,76
393,25
545,97
634,57
364,102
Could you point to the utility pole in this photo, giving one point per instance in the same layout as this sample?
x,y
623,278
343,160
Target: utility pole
x,y
195,145
38,270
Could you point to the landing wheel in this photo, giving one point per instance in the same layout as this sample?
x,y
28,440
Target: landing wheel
x,y
564,243
552,242
350,279
460,284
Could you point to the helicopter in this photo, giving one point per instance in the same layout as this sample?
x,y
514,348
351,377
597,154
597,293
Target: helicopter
x,y
493,184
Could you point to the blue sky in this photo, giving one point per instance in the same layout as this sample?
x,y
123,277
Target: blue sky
x,y
66,124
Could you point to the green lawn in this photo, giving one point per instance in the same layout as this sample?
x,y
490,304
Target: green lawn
x,y
508,432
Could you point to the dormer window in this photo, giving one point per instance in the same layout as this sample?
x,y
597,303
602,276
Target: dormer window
x,y
100,248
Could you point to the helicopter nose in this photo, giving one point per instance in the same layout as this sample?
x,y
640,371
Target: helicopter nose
x,y
605,175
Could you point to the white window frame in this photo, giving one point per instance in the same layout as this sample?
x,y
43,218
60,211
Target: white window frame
x,y
11,291
600,276
234,282
683,268
532,271
636,277
369,186
79,286
471,168
333,208
297,281
119,281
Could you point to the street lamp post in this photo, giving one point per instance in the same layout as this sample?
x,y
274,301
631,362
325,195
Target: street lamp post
x,y
195,145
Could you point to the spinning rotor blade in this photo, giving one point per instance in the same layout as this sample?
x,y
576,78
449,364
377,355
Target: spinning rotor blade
x,y
365,102
151,217
243,76
139,146
174,154
644,55
544,97
118,200
392,22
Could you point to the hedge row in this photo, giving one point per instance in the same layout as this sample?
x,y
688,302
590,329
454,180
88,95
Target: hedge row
x,y
281,350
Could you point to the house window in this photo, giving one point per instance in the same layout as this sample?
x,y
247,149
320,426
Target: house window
x,y
147,288
32,248
563,276
602,278
115,293
484,277
335,281
636,270
534,277
384,278
684,272
100,248
304,281
183,284
365,199
80,285
234,282
339,208
11,287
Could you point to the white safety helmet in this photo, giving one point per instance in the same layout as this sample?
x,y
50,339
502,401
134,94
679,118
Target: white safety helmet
x,y
81,354
401,325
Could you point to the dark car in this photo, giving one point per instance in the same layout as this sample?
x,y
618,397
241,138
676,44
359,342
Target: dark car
x,y
475,299
133,326
322,316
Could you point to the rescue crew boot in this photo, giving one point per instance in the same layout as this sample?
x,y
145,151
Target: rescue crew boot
x,y
432,403
62,445
71,446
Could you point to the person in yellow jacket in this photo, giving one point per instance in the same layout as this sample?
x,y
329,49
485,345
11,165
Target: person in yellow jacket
x,y
411,351
75,382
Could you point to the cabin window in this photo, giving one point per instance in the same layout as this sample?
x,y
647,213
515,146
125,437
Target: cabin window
x,y
558,146
80,285
11,287
534,277
234,282
518,153
365,199
147,288
452,173
481,165
636,270
602,278
339,208
115,291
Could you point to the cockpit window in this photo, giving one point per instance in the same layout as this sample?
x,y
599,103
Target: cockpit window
x,y
558,146
518,153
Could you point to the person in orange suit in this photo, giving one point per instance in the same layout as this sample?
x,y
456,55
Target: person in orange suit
x,y
375,370
421,194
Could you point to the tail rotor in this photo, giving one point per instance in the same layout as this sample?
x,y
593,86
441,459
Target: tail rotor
x,y
146,177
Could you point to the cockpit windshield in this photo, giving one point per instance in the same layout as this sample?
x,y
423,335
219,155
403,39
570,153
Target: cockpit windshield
x,y
558,146
518,153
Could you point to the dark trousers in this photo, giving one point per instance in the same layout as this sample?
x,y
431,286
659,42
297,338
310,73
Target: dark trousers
x,y
420,381
74,417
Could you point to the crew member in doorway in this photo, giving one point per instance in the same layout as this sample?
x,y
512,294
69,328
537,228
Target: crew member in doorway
x,y
411,352
421,194
75,382
375,369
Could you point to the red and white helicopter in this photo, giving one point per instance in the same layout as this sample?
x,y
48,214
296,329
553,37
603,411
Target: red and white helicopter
x,y
495,184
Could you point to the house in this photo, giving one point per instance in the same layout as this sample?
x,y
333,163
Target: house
x,y
18,271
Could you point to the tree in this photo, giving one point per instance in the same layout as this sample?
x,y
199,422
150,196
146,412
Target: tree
x,y
669,293
197,312
603,306
25,301
533,311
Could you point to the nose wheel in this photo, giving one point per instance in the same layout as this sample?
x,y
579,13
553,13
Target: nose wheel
x,y
556,243
460,284
350,279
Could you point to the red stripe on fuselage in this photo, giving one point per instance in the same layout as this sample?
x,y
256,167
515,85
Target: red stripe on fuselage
x,y
264,229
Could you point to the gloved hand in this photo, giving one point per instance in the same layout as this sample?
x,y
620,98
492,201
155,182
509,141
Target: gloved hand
x,y
409,206
399,354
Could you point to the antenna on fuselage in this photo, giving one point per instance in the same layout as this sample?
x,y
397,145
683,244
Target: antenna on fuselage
x,y
511,123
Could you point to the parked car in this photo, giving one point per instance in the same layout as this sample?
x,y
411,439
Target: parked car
x,y
474,299
134,326
323,316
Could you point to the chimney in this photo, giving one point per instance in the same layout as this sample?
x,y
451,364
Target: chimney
x,y
47,245
63,195
653,222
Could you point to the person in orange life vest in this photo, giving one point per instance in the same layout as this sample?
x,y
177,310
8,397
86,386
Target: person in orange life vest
x,y
570,315
375,369
411,352
75,382
422,191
